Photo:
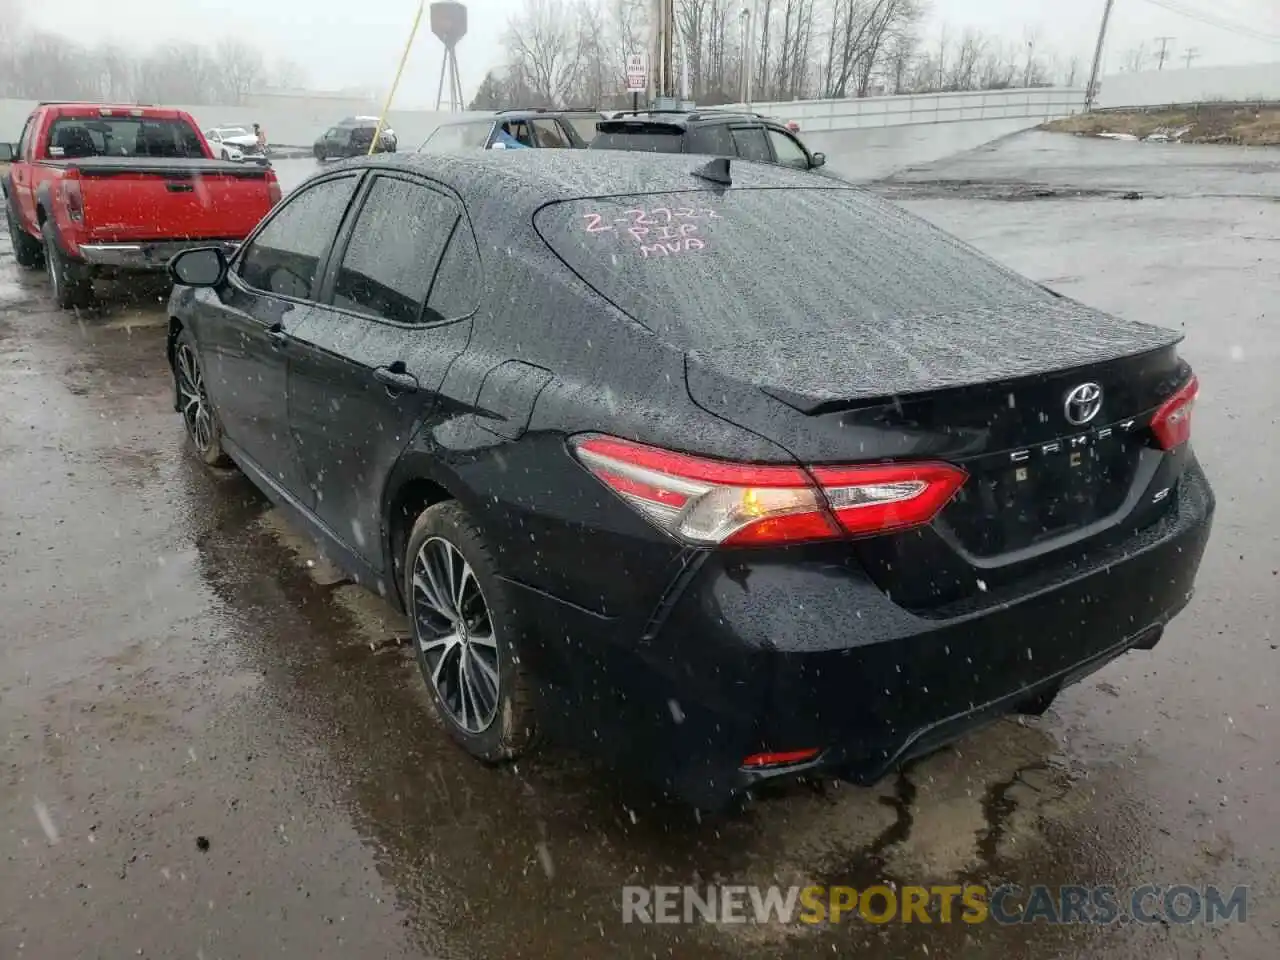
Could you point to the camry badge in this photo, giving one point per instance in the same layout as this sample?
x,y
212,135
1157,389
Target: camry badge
x,y
1083,404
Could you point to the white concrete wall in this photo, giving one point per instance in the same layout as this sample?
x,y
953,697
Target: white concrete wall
x,y
1038,104
297,121
1153,88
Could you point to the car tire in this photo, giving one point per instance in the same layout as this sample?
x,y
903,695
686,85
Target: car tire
x,y
198,415
70,282
27,250
462,651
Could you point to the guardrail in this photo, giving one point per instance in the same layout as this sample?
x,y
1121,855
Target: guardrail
x,y
1036,103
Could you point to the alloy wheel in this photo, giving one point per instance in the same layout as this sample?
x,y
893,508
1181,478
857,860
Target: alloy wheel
x,y
193,399
455,634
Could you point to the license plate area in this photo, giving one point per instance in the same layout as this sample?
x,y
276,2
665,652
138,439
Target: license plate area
x,y
1009,506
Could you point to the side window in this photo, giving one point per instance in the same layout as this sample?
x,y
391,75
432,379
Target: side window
x,y
751,144
24,141
549,134
395,248
456,291
285,257
520,130
788,151
713,139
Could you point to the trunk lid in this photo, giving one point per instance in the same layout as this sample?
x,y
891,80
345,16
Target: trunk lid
x,y
129,199
1042,491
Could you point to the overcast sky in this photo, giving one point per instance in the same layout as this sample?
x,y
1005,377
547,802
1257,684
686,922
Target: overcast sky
x,y
345,43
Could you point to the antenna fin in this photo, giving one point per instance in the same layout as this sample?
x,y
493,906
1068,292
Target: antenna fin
x,y
717,171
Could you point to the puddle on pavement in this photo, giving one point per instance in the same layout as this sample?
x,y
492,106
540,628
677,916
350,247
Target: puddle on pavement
x,y
967,811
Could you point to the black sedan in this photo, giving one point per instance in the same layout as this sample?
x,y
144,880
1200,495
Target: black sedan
x,y
727,472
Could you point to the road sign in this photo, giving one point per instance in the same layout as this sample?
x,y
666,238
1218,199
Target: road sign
x,y
637,72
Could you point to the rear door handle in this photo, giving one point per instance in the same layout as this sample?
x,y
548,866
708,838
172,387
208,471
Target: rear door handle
x,y
396,379
179,187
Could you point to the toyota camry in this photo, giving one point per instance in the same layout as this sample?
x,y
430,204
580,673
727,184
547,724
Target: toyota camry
x,y
712,467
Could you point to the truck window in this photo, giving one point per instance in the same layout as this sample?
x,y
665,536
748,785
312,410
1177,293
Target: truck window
x,y
72,137
24,141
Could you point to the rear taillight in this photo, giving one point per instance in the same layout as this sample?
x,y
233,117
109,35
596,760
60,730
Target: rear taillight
x,y
716,502
72,198
273,190
1172,422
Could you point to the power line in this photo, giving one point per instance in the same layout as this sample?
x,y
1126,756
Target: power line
x,y
1164,50
1213,20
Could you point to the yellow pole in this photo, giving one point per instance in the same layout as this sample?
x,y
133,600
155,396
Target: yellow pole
x,y
404,58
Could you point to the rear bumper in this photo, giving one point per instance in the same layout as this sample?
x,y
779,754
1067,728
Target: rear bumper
x,y
775,655
144,256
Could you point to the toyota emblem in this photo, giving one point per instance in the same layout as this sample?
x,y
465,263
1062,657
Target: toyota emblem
x,y
1083,404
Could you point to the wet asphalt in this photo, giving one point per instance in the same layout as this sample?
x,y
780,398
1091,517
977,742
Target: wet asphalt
x,y
213,747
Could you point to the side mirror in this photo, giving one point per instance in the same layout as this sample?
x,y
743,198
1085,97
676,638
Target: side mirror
x,y
498,145
818,159
199,267
7,152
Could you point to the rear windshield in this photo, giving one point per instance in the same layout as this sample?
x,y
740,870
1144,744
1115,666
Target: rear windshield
x,y
459,136
703,269
72,137
641,138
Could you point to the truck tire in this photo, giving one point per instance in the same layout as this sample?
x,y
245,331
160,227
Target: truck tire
x,y
27,250
68,280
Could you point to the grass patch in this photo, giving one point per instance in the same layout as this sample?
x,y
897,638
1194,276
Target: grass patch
x,y
1251,125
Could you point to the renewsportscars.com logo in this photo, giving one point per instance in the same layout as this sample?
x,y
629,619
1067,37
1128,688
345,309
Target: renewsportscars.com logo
x,y
973,903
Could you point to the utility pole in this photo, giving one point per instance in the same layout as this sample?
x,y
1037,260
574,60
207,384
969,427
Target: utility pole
x,y
1091,92
1164,50
1190,54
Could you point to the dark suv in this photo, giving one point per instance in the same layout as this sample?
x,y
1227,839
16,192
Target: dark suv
x,y
715,132
351,138
556,129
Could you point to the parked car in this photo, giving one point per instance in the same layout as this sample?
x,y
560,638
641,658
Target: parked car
x,y
715,132
725,471
557,129
98,189
235,143
351,138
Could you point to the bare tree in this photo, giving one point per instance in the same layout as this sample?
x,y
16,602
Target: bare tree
x,y
1072,73
1135,58
963,74
288,74
899,56
241,67
545,45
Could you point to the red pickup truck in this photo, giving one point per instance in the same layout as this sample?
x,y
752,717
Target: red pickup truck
x,y
96,189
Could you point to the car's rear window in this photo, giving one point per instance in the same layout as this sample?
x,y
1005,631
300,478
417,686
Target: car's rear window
x,y
638,137
111,136
459,136
712,267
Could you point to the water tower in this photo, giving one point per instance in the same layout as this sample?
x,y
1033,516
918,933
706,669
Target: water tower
x,y
449,23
